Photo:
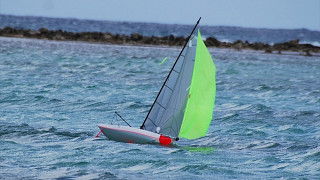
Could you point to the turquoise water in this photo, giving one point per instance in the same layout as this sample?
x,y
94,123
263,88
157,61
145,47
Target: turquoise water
x,y
266,121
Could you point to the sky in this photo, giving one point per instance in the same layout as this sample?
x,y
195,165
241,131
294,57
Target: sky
x,y
284,14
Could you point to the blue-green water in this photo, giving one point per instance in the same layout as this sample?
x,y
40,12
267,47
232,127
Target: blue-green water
x,y
266,121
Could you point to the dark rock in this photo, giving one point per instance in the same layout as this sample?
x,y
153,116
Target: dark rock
x,y
44,30
27,33
296,41
9,30
171,37
268,50
59,31
290,45
136,37
170,40
146,40
180,41
257,46
151,40
116,37
75,36
107,36
238,45
211,41
307,51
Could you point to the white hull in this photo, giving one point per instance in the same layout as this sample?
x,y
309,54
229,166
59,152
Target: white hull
x,y
132,135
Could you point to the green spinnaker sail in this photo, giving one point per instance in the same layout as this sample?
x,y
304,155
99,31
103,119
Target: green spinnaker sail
x,y
199,109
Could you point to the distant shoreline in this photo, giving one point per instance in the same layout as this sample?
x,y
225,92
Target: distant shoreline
x,y
138,39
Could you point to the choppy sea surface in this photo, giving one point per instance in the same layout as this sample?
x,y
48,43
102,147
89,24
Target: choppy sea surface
x,y
266,121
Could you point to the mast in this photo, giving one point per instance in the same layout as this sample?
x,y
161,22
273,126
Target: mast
x,y
141,127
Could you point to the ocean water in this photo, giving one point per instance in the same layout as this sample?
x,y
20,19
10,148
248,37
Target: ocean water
x,y
222,33
266,121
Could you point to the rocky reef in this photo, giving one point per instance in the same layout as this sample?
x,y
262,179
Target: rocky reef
x,y
138,39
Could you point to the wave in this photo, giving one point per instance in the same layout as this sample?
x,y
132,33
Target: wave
x,y
228,116
26,130
139,167
314,43
243,107
308,113
13,98
269,87
261,145
298,147
64,173
200,149
314,153
96,104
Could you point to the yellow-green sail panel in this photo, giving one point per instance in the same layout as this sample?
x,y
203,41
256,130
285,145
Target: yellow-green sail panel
x,y
199,109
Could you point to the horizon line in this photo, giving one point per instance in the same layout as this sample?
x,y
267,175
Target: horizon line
x,y
228,26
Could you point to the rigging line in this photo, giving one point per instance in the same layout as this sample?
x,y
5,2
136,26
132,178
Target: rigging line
x,y
122,119
171,71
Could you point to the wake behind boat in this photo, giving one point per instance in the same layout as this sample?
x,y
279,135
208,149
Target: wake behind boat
x,y
184,105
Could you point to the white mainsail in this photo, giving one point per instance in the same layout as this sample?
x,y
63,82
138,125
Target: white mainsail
x,y
167,113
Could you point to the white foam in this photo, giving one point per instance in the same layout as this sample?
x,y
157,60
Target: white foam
x,y
138,167
314,43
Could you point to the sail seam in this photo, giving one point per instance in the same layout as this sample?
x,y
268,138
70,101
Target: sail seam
x,y
168,87
160,105
152,122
